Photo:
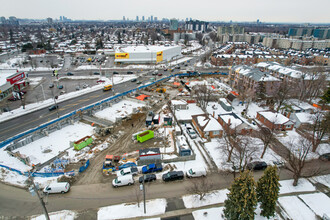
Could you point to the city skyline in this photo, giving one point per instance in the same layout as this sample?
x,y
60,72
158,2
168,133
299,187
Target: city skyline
x,y
281,11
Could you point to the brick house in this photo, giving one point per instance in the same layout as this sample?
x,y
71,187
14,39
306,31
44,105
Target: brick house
x,y
207,126
274,120
231,123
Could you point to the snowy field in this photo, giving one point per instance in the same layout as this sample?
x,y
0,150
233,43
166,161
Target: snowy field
x,y
303,186
295,208
216,149
46,148
62,215
36,106
214,197
119,110
153,207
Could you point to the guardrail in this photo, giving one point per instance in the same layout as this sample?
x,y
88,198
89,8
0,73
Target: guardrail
x,y
4,143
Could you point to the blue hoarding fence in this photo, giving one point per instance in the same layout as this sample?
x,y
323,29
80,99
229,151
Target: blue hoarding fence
x,y
83,168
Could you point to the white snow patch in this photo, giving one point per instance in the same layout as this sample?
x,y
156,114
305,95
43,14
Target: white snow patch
x,y
303,186
214,197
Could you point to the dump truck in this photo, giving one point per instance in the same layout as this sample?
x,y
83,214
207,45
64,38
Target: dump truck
x,y
145,136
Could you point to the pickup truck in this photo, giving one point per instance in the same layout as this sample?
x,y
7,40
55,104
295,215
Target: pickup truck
x,y
152,168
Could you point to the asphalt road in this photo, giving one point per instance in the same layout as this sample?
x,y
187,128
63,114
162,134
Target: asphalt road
x,y
92,196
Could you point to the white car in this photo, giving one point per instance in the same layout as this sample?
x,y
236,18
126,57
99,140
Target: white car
x,y
196,172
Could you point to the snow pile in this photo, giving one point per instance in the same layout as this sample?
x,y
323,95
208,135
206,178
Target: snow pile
x,y
153,207
64,214
119,110
214,197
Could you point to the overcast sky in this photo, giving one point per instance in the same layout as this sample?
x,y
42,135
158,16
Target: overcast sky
x,y
302,11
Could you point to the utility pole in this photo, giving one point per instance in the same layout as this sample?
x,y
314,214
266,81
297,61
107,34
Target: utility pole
x,y
35,189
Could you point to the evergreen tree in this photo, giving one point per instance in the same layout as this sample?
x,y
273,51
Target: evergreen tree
x,y
268,188
326,96
242,198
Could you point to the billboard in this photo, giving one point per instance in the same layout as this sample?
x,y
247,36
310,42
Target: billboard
x,y
122,56
17,77
159,57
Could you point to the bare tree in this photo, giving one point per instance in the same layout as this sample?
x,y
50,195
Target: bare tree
x,y
200,186
231,138
137,194
282,94
243,154
204,95
266,135
320,126
298,153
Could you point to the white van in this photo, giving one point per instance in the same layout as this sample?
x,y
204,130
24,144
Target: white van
x,y
62,187
123,180
127,171
196,172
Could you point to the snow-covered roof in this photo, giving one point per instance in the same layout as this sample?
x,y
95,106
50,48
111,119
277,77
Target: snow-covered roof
x,y
143,49
213,125
234,122
178,102
304,117
274,117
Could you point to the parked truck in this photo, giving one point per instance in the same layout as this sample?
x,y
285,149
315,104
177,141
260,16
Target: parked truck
x,y
150,168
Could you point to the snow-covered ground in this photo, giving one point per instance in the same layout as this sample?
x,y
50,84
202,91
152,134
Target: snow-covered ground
x,y
303,186
153,207
119,110
36,106
216,149
214,197
295,208
325,179
63,215
46,148
318,202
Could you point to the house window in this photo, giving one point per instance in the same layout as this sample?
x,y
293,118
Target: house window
x,y
288,126
216,132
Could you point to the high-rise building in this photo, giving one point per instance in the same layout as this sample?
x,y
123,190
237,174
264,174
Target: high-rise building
x,y
124,19
142,18
196,25
49,20
320,33
152,18
137,18
174,24
156,19
232,29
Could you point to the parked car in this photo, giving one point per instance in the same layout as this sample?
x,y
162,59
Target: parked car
x,y
325,157
138,82
115,73
159,74
77,88
123,181
53,107
69,74
100,81
257,165
133,80
96,73
85,85
60,87
129,72
152,168
62,92
147,178
12,99
51,85
128,171
173,175
61,187
196,172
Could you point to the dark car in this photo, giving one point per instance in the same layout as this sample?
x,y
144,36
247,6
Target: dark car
x,y
173,175
53,107
96,73
60,87
325,157
129,72
257,165
115,73
138,82
100,81
51,85
159,74
147,178
133,80
69,74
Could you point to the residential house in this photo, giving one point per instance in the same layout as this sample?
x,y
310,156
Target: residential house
x,y
274,120
207,126
232,123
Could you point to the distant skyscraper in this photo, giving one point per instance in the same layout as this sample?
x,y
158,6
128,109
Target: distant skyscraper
x,y
137,18
124,19
49,20
174,24
142,18
156,19
257,21
152,18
